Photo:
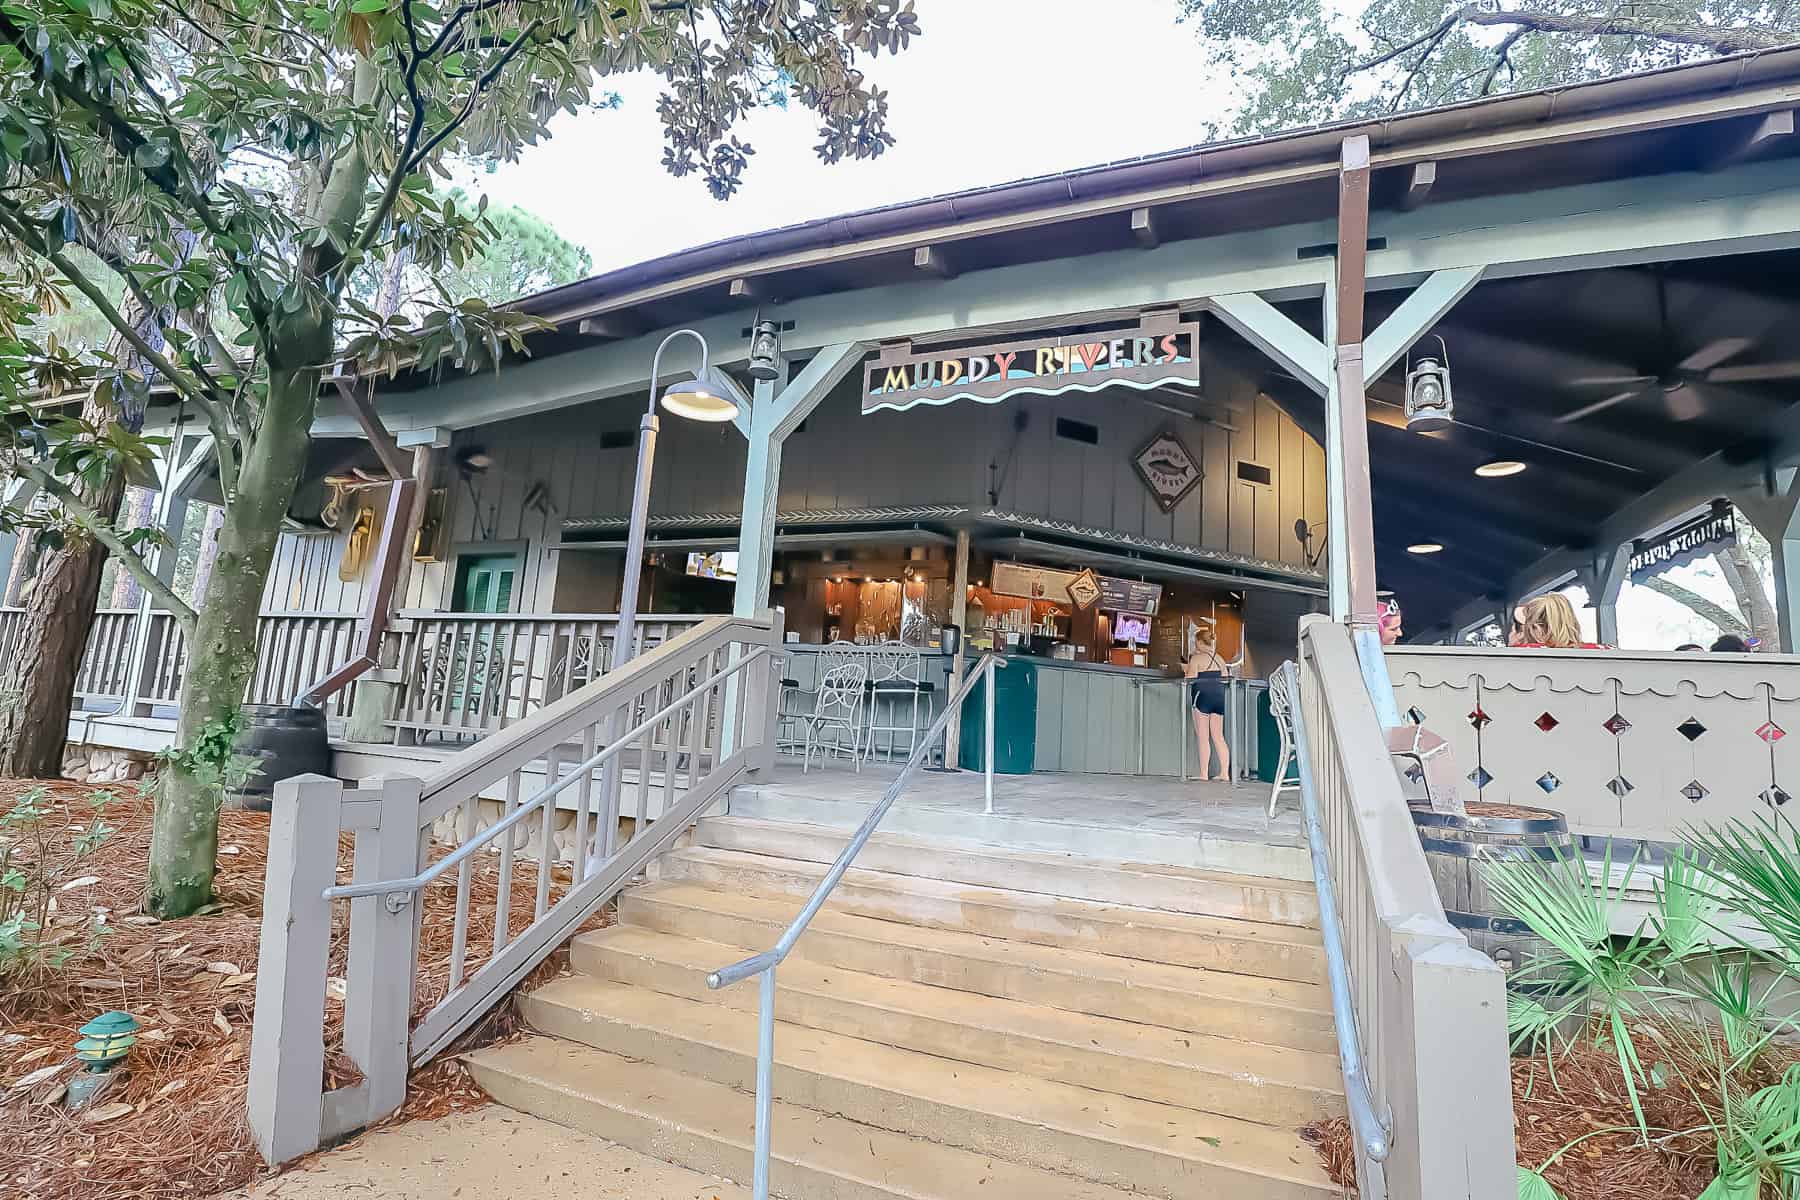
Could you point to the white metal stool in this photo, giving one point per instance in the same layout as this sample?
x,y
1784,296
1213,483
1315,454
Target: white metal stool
x,y
1281,707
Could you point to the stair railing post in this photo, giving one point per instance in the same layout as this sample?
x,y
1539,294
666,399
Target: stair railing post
x,y
988,740
383,959
287,1039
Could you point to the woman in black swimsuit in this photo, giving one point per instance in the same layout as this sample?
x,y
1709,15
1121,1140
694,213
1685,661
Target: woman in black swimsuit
x,y
1205,672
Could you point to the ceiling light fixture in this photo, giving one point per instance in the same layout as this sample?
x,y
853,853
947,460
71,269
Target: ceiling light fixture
x,y
1499,469
1425,548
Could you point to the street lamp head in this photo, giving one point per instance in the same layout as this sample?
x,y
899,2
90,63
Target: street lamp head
x,y
700,399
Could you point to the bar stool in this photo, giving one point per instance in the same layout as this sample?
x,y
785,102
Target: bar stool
x,y
837,705
896,677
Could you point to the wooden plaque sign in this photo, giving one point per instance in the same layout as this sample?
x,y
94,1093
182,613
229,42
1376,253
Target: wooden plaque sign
x,y
1144,357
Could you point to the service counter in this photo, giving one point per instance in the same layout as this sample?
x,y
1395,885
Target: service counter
x,y
1082,718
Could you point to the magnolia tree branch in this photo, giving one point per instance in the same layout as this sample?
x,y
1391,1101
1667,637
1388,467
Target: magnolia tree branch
x,y
115,545
1719,39
1718,614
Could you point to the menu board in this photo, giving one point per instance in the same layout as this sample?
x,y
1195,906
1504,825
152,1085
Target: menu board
x,y
1048,583
1129,595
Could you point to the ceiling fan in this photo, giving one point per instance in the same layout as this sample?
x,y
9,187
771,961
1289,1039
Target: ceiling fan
x,y
1676,378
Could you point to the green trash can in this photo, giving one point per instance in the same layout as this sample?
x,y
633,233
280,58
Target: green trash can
x,y
1015,720
1268,739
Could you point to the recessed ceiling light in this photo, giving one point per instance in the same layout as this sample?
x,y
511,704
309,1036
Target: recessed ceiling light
x,y
1425,548
1499,469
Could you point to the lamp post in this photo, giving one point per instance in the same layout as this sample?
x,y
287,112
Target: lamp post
x,y
706,397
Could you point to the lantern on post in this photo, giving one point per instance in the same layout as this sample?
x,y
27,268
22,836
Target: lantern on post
x,y
765,350
1429,405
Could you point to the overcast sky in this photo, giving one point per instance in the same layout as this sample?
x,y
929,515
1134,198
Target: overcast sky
x,y
995,90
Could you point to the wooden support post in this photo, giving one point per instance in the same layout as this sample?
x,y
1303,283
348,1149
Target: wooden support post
x,y
1604,578
383,941
287,1038
171,519
959,617
1349,411
1775,511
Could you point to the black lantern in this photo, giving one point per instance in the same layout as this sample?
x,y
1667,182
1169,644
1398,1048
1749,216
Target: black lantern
x,y
765,350
1429,406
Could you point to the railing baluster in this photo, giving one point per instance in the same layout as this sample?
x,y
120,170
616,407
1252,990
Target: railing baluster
x,y
584,793
646,756
503,906
459,935
546,836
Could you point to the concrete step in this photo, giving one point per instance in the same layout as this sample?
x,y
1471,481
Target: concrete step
x,y
708,1127
1116,1140
1217,943
1077,876
1254,851
1271,1085
1280,1012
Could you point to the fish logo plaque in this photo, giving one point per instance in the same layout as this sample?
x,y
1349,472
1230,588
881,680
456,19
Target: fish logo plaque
x,y
1168,468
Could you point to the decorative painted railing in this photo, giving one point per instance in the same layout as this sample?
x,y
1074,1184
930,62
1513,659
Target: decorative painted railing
x,y
471,674
121,672
1434,1098
1624,744
691,716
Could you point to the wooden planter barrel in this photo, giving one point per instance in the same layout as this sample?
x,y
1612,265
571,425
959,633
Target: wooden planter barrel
x,y
286,742
1458,848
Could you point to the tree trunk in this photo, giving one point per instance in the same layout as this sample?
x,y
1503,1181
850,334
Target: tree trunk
x,y
222,654
39,681
1753,600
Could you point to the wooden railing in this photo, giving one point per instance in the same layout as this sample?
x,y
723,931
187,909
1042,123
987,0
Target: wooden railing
x,y
106,665
1429,1011
1623,743
471,674
689,717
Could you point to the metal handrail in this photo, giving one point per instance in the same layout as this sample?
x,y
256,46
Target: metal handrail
x,y
467,850
766,962
1374,1131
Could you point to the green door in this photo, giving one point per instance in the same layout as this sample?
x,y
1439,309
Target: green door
x,y
484,582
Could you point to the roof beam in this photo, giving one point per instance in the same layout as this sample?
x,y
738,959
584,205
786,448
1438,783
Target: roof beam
x,y
1762,135
613,325
1418,186
933,260
1143,228
1271,331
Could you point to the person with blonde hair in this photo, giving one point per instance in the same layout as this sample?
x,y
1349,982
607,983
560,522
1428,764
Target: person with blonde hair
x,y
1205,672
1548,622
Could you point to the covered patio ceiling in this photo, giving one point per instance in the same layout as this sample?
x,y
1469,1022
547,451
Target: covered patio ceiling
x,y
1608,385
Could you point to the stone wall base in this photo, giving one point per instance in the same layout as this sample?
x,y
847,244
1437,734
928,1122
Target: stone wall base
x,y
101,764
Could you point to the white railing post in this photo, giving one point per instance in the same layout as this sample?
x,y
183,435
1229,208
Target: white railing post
x,y
765,685
383,949
287,1041
987,753
1449,1078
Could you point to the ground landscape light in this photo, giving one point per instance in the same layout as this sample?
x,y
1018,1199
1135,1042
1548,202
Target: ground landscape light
x,y
1499,469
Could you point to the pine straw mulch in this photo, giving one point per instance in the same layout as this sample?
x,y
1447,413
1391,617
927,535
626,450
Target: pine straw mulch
x,y
173,1126
1589,1095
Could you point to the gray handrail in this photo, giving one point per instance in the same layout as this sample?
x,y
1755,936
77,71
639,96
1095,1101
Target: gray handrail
x,y
351,891
764,964
1372,1130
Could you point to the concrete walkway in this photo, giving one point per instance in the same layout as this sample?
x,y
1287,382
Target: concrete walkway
x,y
490,1153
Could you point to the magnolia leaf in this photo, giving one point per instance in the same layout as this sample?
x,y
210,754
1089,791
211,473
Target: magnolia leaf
x,y
107,1112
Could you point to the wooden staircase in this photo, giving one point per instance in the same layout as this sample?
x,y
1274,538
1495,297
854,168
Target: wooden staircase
x,y
959,1021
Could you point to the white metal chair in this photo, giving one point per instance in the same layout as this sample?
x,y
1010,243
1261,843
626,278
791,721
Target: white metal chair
x,y
1281,707
837,705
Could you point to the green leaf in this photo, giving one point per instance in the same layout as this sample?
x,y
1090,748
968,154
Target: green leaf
x,y
1744,1187
369,6
1533,1186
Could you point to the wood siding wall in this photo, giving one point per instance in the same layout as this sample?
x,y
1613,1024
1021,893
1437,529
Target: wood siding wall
x,y
841,459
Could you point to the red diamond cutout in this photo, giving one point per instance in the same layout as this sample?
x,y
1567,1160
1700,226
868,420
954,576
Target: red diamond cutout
x,y
1770,732
1479,718
1546,722
1616,724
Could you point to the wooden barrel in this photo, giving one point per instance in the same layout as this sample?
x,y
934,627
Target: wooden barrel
x,y
1457,849
286,742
